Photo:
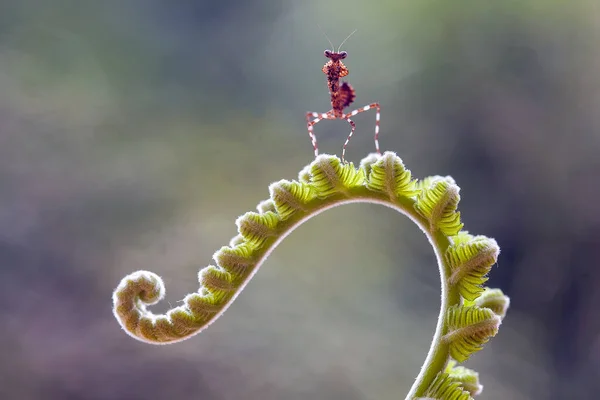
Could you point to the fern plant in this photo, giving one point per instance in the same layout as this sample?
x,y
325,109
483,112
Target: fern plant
x,y
470,314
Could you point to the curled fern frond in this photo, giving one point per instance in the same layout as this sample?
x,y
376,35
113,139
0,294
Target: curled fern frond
x,y
365,163
265,206
467,378
255,228
469,328
388,175
329,176
470,259
237,259
463,262
438,202
445,387
217,279
290,197
493,299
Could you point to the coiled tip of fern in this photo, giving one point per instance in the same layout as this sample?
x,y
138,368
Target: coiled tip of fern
x,y
131,297
143,288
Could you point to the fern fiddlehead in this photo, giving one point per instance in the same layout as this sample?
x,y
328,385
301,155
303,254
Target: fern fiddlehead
x,y
469,314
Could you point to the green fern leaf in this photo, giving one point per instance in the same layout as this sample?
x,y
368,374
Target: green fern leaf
x,y
256,228
206,302
237,260
437,202
462,237
368,161
329,176
470,261
469,328
305,175
445,387
467,378
388,175
493,299
266,205
290,197
216,279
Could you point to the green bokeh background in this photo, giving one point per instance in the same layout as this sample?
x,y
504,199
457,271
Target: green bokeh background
x,y
133,133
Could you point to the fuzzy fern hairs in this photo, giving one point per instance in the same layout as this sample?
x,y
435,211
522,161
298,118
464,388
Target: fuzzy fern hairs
x,y
470,313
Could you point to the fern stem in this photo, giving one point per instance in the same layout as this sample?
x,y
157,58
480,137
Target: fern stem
x,y
438,355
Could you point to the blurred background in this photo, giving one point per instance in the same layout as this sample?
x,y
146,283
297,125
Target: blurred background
x,y
133,133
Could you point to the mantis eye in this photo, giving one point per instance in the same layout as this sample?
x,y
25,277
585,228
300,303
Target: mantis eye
x,y
328,53
343,55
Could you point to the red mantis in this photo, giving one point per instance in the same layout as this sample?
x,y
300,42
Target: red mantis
x,y
342,95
